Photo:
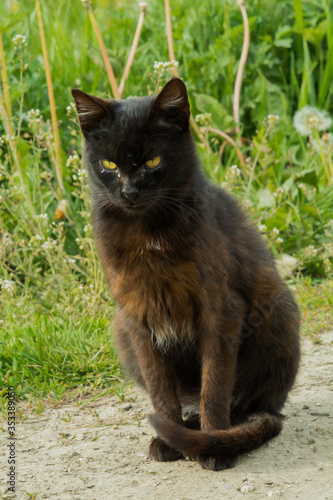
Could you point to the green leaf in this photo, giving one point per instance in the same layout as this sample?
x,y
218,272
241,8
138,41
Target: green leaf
x,y
208,104
265,198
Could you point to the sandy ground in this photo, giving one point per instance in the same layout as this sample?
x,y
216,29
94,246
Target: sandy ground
x,y
99,451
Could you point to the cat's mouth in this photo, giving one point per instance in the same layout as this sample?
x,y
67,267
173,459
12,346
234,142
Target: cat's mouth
x,y
135,207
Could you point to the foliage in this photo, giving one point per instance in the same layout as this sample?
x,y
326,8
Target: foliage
x,y
56,309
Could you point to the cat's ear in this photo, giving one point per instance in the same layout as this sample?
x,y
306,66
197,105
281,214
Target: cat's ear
x,y
171,107
94,113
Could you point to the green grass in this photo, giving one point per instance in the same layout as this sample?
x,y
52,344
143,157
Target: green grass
x,y
56,314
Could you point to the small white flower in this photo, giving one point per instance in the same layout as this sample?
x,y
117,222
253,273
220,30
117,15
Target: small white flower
x,y
279,240
7,285
275,231
72,161
39,237
273,118
46,176
278,192
19,39
70,109
160,67
82,174
311,250
203,119
48,244
309,118
42,217
262,227
33,117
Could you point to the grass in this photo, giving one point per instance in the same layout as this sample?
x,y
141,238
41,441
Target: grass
x,y
56,314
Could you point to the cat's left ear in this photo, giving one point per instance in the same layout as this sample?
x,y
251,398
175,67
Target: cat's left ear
x,y
94,113
171,107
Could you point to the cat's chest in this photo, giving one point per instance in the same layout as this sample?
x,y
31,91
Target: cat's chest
x,y
160,290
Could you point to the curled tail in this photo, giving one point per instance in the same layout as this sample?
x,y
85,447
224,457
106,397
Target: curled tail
x,y
242,438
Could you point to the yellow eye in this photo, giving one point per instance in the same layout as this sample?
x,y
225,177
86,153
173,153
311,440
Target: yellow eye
x,y
109,164
154,162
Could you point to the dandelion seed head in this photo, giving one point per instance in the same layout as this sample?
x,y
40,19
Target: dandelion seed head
x,y
309,118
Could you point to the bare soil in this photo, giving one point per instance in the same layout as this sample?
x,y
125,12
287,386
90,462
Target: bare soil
x,y
99,451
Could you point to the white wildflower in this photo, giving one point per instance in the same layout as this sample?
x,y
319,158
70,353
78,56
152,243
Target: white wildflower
x,y
275,232
70,109
273,118
33,117
203,119
72,161
279,240
160,67
19,39
309,118
278,192
48,244
7,285
39,237
262,227
42,217
82,174
311,250
233,172
46,176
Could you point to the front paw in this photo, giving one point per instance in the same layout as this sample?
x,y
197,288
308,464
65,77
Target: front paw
x,y
161,452
217,462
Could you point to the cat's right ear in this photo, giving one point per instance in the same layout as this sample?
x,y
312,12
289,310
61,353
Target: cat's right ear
x,y
94,113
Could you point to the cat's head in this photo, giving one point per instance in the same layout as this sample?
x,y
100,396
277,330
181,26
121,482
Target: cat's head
x,y
139,151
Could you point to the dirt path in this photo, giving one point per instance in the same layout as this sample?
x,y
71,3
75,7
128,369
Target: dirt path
x,y
100,451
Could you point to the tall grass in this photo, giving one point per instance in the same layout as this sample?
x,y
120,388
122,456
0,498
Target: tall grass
x,y
56,312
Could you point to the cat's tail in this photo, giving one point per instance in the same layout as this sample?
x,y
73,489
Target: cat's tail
x,y
242,438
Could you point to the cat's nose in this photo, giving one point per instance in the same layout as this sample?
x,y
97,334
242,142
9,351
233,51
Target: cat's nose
x,y
130,193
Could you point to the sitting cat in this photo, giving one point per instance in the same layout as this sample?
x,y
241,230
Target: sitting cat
x,y
204,321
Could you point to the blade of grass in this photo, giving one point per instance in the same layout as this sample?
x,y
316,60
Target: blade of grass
x,y
5,84
58,165
13,149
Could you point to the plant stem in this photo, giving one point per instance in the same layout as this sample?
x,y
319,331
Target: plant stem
x,y
58,165
169,36
322,156
106,60
243,58
231,141
136,38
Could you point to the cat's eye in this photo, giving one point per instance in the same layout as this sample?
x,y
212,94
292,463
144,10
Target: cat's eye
x,y
110,165
154,162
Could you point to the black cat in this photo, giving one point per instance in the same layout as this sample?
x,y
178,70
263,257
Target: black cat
x,y
204,321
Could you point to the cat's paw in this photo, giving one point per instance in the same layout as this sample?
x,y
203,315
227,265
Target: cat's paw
x,y
217,462
161,452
